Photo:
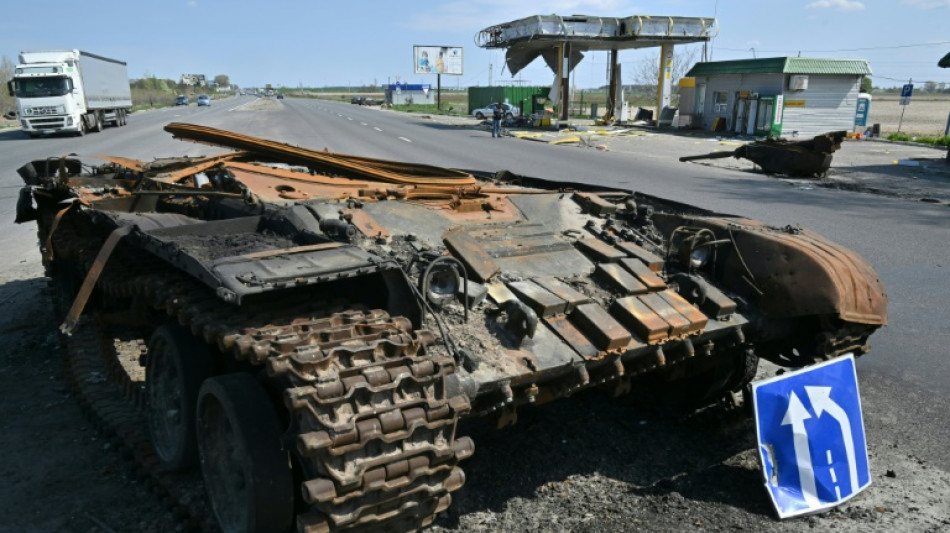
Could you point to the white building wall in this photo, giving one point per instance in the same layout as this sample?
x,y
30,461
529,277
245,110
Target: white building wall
x,y
827,105
413,97
764,84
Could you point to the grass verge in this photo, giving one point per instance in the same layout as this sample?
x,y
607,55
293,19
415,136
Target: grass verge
x,y
943,140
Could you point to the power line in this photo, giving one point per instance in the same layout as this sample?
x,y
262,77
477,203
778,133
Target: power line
x,y
938,43
903,80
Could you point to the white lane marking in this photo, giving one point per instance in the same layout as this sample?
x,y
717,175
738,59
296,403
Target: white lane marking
x,y
377,129
820,398
834,477
363,124
349,118
405,139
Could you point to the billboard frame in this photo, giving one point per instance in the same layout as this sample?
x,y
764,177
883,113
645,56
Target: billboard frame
x,y
423,65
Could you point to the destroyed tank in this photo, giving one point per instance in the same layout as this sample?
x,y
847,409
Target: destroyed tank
x,y
810,158
306,328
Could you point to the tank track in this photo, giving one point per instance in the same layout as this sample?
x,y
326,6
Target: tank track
x,y
114,405
372,412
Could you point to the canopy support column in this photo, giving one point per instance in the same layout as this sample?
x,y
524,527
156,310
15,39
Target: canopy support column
x,y
665,79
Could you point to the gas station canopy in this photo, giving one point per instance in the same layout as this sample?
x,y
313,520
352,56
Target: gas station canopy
x,y
527,38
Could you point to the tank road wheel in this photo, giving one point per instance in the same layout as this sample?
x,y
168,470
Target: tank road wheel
x,y
176,364
245,467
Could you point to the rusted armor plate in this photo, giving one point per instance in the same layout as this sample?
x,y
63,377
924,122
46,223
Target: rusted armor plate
x,y
544,302
594,204
679,324
602,329
571,297
599,251
638,317
640,269
619,279
573,336
476,260
697,320
652,261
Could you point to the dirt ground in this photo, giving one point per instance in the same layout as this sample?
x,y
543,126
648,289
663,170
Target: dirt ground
x,y
60,474
925,116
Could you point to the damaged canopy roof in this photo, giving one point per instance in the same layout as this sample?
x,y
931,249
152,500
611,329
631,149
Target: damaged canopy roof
x,y
530,37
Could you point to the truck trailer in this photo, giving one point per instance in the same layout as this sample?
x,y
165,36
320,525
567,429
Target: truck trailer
x,y
69,91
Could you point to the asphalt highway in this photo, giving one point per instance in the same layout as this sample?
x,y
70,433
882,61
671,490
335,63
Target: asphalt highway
x,y
904,379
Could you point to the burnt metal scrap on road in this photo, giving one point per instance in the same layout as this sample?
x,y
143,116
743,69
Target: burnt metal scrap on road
x,y
809,158
336,316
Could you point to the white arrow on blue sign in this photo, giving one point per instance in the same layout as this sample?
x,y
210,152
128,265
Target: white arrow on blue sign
x,y
811,437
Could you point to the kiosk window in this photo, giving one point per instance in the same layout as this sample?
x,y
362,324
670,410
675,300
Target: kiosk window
x,y
720,101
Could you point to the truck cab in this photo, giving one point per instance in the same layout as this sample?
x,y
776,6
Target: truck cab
x,y
48,98
68,91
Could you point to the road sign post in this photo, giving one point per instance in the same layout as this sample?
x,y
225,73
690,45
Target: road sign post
x,y
907,91
811,437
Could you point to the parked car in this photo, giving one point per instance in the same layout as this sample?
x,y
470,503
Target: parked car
x,y
489,110
181,100
362,100
204,99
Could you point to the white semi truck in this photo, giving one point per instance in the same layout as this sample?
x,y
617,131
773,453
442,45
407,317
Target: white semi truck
x,y
69,91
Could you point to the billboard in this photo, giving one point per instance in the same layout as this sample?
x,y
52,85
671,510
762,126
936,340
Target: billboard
x,y
437,60
194,79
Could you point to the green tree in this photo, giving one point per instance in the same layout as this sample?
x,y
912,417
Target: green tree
x,y
7,102
866,85
222,80
646,71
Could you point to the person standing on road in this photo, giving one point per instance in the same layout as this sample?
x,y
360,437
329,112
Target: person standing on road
x,y
497,114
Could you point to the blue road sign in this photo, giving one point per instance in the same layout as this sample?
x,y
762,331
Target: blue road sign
x,y
906,92
811,437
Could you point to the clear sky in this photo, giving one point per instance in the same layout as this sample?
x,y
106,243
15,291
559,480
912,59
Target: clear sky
x,y
320,43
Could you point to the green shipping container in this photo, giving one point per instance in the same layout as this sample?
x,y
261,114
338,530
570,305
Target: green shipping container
x,y
514,95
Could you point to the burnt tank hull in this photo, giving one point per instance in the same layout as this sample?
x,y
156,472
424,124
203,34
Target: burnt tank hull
x,y
370,305
809,158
